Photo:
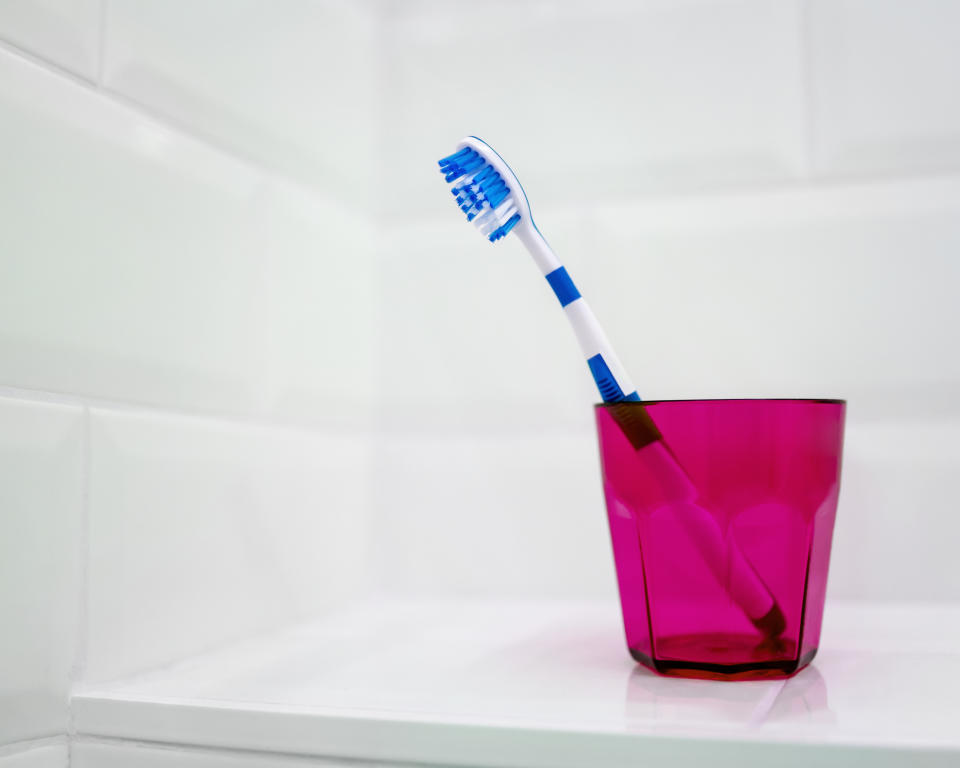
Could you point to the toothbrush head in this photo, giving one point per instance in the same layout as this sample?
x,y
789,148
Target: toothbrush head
x,y
485,188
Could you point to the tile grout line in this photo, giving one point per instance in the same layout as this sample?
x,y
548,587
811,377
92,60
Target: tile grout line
x,y
81,644
134,407
268,173
102,43
47,65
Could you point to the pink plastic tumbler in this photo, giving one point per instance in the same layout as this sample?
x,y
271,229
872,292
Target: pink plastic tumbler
x,y
721,515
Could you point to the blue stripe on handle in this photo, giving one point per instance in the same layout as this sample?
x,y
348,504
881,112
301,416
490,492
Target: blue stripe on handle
x,y
563,287
609,389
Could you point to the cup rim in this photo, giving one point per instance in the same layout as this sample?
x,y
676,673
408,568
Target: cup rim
x,y
810,400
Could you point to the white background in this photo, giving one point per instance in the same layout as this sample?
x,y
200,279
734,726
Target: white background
x,y
254,364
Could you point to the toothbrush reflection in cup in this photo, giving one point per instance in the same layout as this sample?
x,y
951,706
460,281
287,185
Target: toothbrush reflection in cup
x,y
680,499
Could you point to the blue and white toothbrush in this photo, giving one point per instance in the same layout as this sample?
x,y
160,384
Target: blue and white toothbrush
x,y
491,196
489,193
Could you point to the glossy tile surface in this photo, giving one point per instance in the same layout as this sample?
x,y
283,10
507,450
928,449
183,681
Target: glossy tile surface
x,y
49,753
294,90
594,100
142,265
66,34
472,339
493,516
883,85
548,684
40,521
202,532
798,293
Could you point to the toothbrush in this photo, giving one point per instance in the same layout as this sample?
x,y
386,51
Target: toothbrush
x,y
491,196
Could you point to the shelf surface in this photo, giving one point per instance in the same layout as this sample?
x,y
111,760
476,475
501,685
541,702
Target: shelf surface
x,y
546,684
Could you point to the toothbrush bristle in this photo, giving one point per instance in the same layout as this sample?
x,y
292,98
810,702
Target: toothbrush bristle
x,y
481,193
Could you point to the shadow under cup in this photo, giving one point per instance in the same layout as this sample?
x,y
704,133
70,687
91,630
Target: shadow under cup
x,y
721,515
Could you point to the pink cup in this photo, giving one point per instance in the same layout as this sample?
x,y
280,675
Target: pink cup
x,y
721,515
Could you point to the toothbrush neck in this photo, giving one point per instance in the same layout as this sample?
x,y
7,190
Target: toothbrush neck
x,y
542,253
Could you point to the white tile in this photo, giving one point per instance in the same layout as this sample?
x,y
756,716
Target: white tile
x,y
129,270
202,532
322,321
884,80
591,100
508,516
144,266
292,86
91,754
896,525
840,292
65,32
40,518
472,337
45,754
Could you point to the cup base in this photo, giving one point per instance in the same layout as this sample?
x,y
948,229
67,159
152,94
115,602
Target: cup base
x,y
770,661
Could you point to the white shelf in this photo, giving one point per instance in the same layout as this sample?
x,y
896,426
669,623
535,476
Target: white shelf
x,y
488,684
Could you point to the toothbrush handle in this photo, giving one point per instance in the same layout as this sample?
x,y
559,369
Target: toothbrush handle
x,y
607,370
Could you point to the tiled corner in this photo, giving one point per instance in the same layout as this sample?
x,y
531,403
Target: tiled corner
x,y
884,86
41,489
595,100
66,34
202,532
145,266
129,268
294,90
498,516
48,753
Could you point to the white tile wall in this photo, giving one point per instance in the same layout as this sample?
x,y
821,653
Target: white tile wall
x,y
144,266
884,85
897,529
35,755
322,309
40,516
596,99
472,337
204,531
63,32
293,89
508,515
841,292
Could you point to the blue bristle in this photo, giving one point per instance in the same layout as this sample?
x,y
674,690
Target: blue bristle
x,y
505,229
485,175
480,187
472,164
455,156
497,196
